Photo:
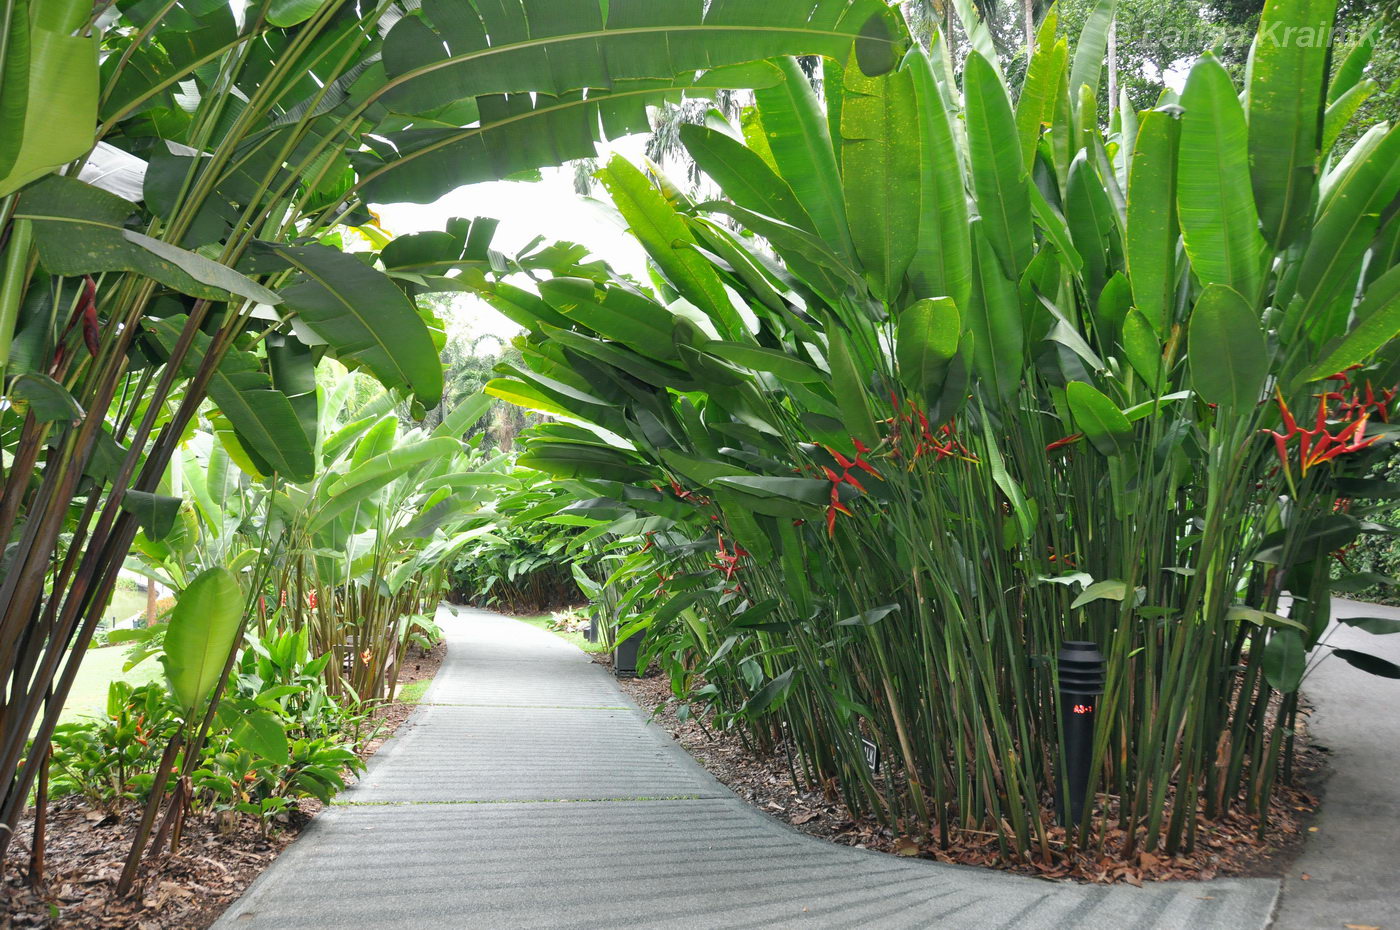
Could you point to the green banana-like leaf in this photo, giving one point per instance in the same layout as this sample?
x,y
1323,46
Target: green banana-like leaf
x,y
1288,72
1091,50
999,177
364,317
881,173
1035,107
203,630
1219,221
1099,419
80,230
927,339
1378,322
48,90
1152,230
744,176
268,426
1226,347
942,262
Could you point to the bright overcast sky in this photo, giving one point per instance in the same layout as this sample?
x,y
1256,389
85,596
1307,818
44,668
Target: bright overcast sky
x,y
549,207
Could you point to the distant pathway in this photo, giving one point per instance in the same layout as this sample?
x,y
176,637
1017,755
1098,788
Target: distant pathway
x,y
530,792
1352,859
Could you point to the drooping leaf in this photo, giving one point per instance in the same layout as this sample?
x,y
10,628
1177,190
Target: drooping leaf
x,y
999,177
927,339
155,513
364,317
1099,419
48,400
261,733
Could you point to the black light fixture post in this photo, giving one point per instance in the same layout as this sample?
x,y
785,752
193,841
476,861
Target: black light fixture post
x,y
1081,667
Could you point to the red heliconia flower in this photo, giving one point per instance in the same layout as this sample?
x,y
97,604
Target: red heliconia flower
x,y
311,599
1317,445
1061,443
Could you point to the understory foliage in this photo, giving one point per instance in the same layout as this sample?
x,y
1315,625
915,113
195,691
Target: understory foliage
x,y
956,373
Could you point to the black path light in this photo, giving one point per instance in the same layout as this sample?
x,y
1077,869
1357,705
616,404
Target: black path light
x,y
1081,683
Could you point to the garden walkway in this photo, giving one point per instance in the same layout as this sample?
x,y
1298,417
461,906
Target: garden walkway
x,y
530,792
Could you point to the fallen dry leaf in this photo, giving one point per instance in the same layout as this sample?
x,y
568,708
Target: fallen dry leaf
x,y
804,817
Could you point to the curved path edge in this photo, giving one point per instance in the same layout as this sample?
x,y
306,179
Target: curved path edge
x,y
529,791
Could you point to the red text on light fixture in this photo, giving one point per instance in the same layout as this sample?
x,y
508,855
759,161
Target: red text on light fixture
x,y
1083,708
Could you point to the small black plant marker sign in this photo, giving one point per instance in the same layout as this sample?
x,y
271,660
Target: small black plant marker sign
x,y
872,755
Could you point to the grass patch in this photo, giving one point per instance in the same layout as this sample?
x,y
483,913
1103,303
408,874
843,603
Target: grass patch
x,y
412,693
100,668
543,620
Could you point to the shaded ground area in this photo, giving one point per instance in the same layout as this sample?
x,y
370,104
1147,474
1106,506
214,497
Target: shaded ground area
x,y
219,858
527,791
1346,876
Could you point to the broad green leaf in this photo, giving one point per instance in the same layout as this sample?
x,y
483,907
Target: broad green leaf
x,y
814,491
999,177
464,416
261,732
994,318
1035,105
942,262
1226,347
155,513
771,696
268,426
927,340
364,317
800,142
285,13
1152,233
1263,618
852,392
666,238
1091,50
1143,349
1112,590
47,400
48,93
780,364
881,173
1378,322
1099,419
80,230
203,631
1285,660
1288,71
1340,112
744,176
1215,200
614,313
1350,217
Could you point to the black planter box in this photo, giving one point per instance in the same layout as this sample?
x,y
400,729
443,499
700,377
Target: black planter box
x,y
625,656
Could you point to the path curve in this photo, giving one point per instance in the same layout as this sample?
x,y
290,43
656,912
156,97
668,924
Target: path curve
x,y
529,791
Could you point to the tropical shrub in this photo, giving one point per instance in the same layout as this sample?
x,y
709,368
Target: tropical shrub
x,y
976,378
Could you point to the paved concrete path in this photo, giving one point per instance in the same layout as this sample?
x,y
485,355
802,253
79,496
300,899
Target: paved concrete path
x,y
530,792
1353,859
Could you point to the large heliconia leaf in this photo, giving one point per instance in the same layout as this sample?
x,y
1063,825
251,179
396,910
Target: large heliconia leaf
x,y
1229,361
1351,214
942,262
994,319
665,237
1090,52
1377,323
1150,243
800,144
48,90
1099,419
744,176
81,230
880,169
203,631
1036,105
1288,72
926,344
1219,221
364,317
549,78
999,178
267,424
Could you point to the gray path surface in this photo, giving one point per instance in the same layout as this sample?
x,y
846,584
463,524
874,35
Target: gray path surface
x,y
528,791
1353,859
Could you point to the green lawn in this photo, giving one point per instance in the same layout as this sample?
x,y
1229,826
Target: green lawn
x,y
99,669
542,621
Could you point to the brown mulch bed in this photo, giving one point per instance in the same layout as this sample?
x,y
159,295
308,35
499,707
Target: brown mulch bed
x,y
1228,846
218,858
